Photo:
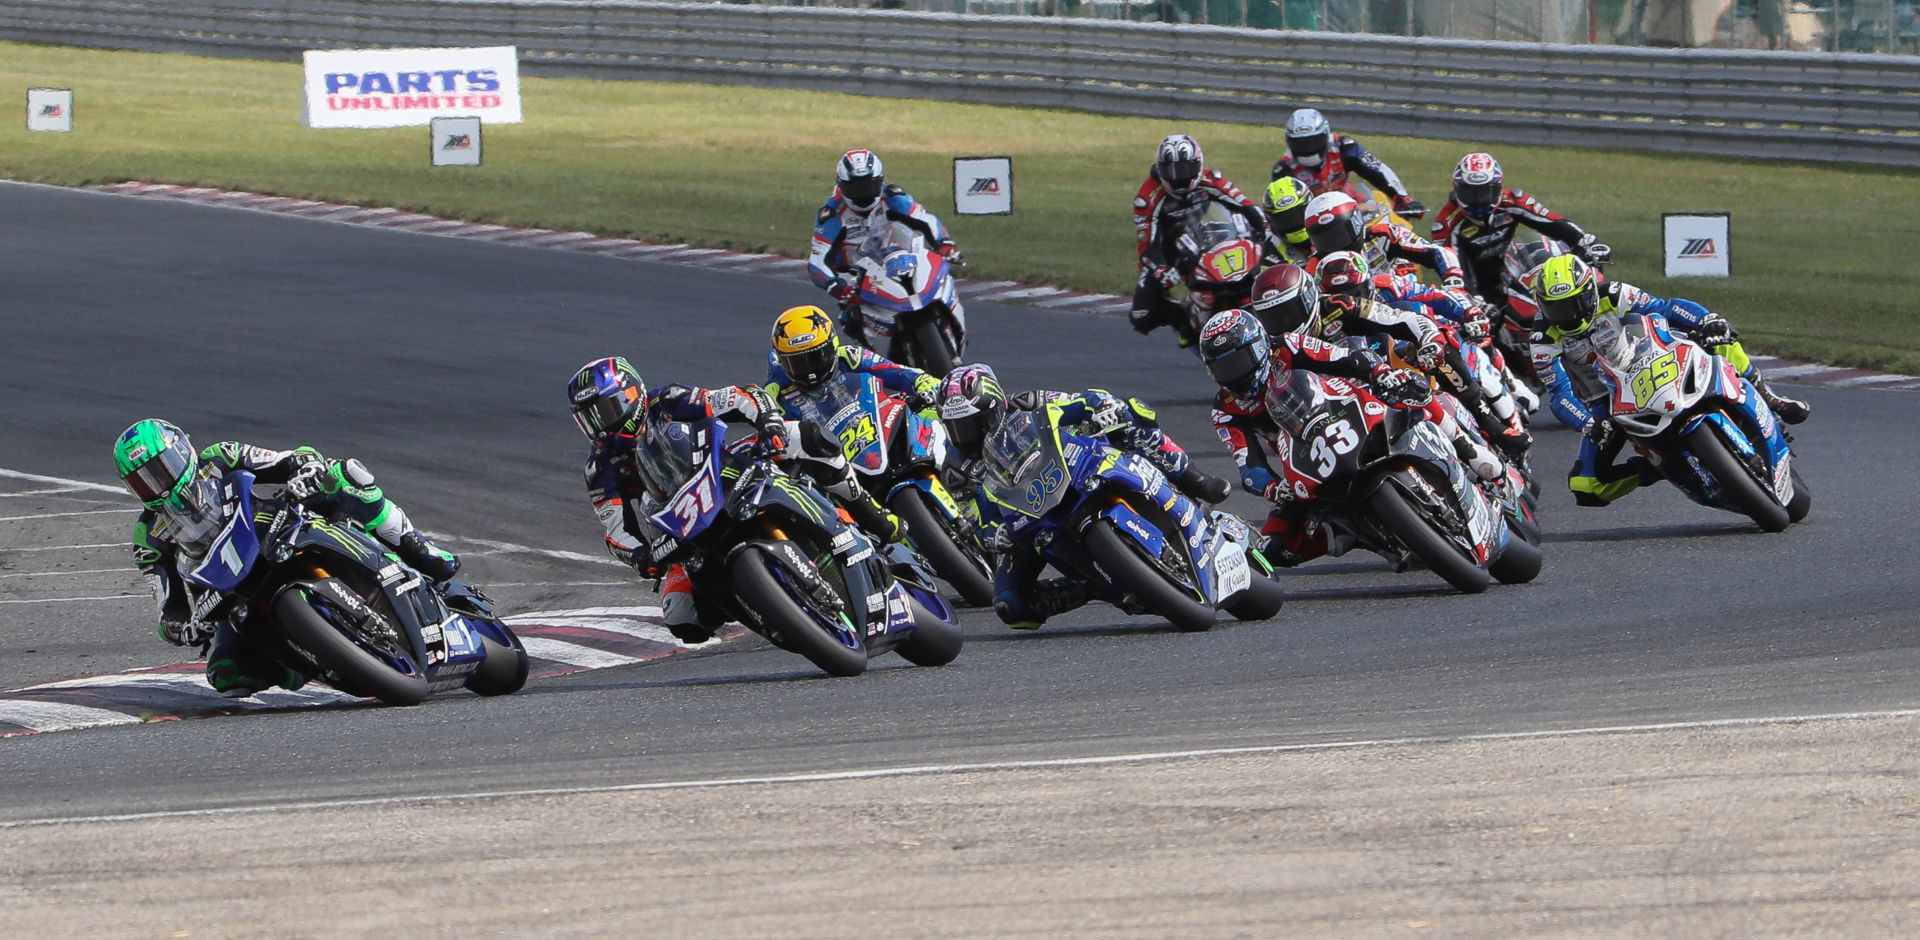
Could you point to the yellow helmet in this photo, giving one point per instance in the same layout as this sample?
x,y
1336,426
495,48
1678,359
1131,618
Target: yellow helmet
x,y
805,345
1568,292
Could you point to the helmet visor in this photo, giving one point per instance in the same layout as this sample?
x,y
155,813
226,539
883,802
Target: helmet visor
x,y
1477,194
1180,174
1342,235
1571,313
809,368
602,416
154,480
1288,220
1312,145
1237,371
861,190
1289,315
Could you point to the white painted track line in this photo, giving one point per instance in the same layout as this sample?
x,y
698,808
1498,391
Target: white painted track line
x,y
58,716
573,654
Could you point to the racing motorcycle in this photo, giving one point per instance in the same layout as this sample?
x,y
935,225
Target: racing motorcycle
x,y
1705,428
898,455
911,311
1389,480
1110,520
774,554
327,601
1218,257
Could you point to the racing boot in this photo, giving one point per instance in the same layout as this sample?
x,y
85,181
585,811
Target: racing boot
x,y
1049,598
1484,464
680,615
423,556
1790,410
1202,485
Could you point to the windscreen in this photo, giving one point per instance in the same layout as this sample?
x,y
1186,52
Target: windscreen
x,y
665,458
1295,405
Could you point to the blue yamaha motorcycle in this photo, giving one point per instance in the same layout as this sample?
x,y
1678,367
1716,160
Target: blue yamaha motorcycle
x,y
1706,429
898,455
1111,520
330,603
777,556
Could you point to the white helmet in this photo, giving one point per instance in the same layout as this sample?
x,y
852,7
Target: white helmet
x,y
860,178
1308,136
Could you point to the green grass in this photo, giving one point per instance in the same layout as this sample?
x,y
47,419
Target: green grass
x,y
1823,262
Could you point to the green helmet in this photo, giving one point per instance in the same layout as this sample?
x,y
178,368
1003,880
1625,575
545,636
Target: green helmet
x,y
1286,204
155,460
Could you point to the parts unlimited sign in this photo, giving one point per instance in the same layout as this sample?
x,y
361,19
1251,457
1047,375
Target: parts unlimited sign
x,y
408,87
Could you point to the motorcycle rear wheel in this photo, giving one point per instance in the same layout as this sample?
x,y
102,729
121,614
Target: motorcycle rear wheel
x,y
355,670
1419,535
1738,488
760,589
950,561
1122,558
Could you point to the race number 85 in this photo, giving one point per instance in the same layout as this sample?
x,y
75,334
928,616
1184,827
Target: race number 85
x,y
1655,377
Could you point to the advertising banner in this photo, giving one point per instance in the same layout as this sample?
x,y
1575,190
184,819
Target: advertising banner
x,y
411,87
49,109
1697,244
983,185
455,141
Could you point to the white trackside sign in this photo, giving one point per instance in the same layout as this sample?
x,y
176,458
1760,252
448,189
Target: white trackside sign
x,y
410,87
455,141
1697,245
983,185
49,109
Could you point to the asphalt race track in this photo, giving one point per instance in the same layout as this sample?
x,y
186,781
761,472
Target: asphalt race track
x,y
440,363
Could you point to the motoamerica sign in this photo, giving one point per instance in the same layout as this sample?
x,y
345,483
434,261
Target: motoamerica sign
x,y
406,87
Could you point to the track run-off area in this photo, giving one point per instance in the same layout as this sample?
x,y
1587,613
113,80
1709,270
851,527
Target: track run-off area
x,y
1684,727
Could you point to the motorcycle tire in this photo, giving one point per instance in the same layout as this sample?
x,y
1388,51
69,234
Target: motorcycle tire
x,y
1261,600
353,669
1738,488
1124,560
934,642
935,357
931,539
1392,510
760,589
1802,500
503,672
1518,563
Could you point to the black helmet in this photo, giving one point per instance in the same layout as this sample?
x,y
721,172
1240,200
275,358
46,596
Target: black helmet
x,y
972,405
1234,347
1334,223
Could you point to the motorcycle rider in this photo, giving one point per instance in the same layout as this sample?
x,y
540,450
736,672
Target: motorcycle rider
x,y
1285,203
1248,365
1178,182
1481,215
1129,425
1572,295
1349,306
863,201
180,488
1334,224
1321,159
972,406
615,410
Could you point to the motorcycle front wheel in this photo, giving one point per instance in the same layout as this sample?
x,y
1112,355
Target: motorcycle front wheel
x,y
935,357
1738,488
969,578
756,576
1126,562
1420,536
347,665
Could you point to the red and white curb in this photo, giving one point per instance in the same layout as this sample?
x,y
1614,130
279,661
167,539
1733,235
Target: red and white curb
x,y
1003,292
559,642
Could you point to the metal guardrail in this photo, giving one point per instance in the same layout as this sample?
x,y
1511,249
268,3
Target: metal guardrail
x,y
1785,105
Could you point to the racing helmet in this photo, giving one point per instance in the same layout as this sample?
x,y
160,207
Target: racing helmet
x,y
1285,202
1345,272
156,462
608,400
1179,163
860,178
805,346
1478,183
1333,222
1568,291
1234,347
1308,135
1285,300
972,405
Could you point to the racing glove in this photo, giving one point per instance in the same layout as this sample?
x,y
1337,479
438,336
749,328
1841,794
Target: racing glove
x,y
768,430
1428,353
1599,430
845,287
1715,331
1262,483
1401,386
1476,328
308,481
948,250
1408,206
1453,282
1592,250
925,396
187,633
1163,275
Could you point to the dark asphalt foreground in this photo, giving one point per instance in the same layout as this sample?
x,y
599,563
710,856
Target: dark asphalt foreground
x,y
440,362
